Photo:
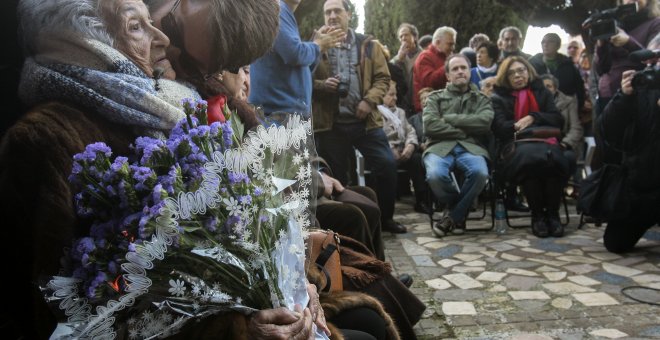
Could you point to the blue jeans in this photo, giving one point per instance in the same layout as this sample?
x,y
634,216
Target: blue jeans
x,y
475,171
336,147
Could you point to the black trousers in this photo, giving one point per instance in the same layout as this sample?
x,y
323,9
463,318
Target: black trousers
x,y
356,215
360,324
621,235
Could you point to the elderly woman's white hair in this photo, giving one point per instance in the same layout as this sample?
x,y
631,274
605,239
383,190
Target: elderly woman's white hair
x,y
78,17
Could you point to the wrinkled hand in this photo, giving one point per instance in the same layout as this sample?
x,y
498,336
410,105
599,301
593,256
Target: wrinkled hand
x,y
363,109
626,82
328,38
281,324
315,308
523,123
620,38
331,84
407,152
331,185
396,154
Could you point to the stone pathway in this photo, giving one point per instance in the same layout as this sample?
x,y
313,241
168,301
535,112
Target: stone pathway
x,y
483,286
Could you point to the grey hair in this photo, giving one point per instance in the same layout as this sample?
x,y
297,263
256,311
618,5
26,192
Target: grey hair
x,y
78,17
513,29
411,27
550,77
442,31
477,40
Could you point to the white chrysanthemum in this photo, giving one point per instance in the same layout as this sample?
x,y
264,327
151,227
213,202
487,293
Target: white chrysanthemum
x,y
178,288
233,206
297,159
133,333
147,316
196,290
306,153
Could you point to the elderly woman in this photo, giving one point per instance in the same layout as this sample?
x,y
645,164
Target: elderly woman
x,y
571,140
520,102
487,54
95,71
404,144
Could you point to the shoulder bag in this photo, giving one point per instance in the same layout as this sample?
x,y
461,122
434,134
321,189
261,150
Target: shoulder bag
x,y
324,253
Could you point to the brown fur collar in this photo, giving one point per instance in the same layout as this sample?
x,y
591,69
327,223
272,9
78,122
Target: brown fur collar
x,y
336,302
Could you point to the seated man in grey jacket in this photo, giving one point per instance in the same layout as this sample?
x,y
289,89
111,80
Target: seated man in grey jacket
x,y
454,120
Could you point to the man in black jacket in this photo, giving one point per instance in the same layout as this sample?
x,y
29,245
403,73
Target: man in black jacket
x,y
631,123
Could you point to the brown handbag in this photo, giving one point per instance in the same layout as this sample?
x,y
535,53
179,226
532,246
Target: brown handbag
x,y
324,245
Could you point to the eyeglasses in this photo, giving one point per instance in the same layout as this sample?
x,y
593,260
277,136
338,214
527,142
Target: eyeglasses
x,y
170,27
521,71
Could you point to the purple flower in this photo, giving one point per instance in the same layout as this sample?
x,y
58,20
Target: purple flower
x,y
83,246
258,191
227,134
211,224
245,200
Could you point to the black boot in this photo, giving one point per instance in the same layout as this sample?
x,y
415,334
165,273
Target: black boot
x,y
539,225
554,224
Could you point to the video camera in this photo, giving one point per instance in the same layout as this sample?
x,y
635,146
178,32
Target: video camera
x,y
650,76
603,24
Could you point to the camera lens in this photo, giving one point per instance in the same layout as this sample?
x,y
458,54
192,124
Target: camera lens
x,y
342,89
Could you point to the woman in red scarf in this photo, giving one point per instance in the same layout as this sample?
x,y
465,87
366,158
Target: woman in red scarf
x,y
521,101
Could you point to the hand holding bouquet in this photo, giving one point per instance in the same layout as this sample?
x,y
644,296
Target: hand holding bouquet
x,y
201,223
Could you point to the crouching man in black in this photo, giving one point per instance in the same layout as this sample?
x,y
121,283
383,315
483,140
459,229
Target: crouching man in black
x,y
631,124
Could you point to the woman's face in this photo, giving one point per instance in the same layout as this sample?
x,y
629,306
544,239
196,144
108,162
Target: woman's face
x,y
518,75
130,25
550,85
483,59
235,83
390,97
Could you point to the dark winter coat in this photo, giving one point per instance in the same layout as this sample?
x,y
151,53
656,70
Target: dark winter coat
x,y
503,105
570,80
632,124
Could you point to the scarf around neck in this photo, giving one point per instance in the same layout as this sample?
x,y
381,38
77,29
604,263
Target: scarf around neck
x,y
101,79
525,103
393,118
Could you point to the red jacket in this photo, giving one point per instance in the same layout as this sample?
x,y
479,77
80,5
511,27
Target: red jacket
x,y
429,71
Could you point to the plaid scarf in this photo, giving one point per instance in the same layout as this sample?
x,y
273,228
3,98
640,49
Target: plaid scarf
x,y
101,79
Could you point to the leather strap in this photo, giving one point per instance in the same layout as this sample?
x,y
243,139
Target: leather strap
x,y
324,256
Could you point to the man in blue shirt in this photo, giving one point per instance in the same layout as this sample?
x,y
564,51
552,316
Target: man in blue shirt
x,y
281,80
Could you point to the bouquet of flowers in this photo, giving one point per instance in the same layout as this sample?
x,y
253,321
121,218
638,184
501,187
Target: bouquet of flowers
x,y
206,221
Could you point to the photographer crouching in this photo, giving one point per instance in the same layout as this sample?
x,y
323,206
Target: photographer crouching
x,y
630,124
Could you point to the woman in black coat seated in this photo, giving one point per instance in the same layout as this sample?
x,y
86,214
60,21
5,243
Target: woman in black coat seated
x,y
521,101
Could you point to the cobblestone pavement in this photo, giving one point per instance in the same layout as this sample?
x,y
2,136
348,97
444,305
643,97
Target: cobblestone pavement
x,y
483,286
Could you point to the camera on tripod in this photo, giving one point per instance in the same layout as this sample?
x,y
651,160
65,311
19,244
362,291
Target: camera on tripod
x,y
603,24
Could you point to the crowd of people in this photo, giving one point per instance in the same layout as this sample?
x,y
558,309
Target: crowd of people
x,y
111,71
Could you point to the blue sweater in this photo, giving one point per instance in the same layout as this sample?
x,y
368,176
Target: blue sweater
x,y
476,76
281,80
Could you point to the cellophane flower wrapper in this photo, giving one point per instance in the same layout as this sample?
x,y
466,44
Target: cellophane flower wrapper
x,y
205,222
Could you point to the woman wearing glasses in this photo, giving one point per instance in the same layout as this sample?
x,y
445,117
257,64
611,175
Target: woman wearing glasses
x,y
521,101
